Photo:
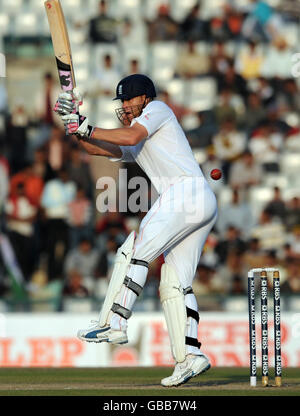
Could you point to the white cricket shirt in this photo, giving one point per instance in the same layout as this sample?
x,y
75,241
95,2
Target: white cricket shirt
x,y
165,154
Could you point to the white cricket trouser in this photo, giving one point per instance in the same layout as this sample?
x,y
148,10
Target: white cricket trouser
x,y
177,225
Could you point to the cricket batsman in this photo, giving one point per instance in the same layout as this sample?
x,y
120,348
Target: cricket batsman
x,y
177,224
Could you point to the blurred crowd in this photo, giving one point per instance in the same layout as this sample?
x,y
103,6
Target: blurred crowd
x,y
47,187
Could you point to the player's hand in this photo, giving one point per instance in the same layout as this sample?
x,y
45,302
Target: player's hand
x,y
68,103
77,124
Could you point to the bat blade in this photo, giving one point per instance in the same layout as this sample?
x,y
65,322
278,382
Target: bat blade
x,y
61,44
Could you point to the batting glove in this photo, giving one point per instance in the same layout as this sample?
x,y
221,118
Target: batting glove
x,y
68,103
77,124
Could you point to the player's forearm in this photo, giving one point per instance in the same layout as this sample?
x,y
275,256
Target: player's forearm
x,y
120,136
100,148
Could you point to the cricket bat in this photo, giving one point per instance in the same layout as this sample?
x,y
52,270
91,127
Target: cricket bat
x,y
61,44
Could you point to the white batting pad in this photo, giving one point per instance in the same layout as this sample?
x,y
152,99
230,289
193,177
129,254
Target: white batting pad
x,y
172,299
123,258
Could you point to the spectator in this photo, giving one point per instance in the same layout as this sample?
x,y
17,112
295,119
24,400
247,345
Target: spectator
x,y
245,172
107,76
292,217
132,33
229,106
288,98
201,136
234,22
41,166
33,184
32,180
80,218
207,282
229,144
79,171
180,111
286,253
277,63
107,258
292,283
220,60
276,206
193,27
45,100
103,28
292,140
264,89
82,262
265,145
249,61
230,80
163,27
237,213
218,28
21,215
254,256
56,148
110,225
191,62
134,67
232,274
17,145
294,241
56,197
256,112
231,241
262,23
237,285
277,124
270,232
74,286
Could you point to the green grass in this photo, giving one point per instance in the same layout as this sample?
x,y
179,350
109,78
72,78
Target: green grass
x,y
138,382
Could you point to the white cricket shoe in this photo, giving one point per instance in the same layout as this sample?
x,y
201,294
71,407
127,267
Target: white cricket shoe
x,y
192,366
102,334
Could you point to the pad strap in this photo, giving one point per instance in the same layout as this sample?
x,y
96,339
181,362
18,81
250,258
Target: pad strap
x,y
192,314
120,310
188,291
188,340
192,342
140,263
137,289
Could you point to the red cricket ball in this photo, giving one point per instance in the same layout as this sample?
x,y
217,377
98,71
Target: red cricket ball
x,y
216,174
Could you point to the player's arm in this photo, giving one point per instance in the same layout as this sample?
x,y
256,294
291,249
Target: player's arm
x,y
107,142
100,148
124,136
67,107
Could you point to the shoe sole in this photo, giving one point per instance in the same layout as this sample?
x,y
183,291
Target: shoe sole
x,y
189,377
98,340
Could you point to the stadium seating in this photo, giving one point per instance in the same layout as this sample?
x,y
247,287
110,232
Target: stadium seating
x,y
127,8
201,93
158,60
259,196
106,112
5,24
290,165
11,6
163,57
26,24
